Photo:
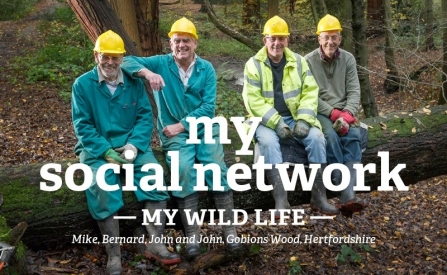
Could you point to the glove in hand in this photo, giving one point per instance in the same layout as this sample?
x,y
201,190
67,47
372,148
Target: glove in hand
x,y
283,130
335,113
128,147
113,157
341,126
301,129
348,117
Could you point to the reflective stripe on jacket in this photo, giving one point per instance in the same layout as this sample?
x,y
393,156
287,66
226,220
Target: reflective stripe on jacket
x,y
300,89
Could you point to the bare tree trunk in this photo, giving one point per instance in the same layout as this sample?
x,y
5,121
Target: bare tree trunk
x,y
125,10
273,8
250,15
313,6
53,217
429,29
148,15
392,81
347,27
361,54
443,93
323,7
97,17
375,14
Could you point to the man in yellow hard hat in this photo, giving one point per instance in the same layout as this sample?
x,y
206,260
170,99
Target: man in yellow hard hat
x,y
185,86
280,89
335,71
112,119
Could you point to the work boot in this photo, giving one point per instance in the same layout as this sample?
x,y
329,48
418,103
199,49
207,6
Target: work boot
x,y
224,200
110,227
278,192
348,200
158,251
318,199
191,230
336,177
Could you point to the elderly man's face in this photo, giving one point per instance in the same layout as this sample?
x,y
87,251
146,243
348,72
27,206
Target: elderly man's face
x,y
109,64
275,46
183,46
329,42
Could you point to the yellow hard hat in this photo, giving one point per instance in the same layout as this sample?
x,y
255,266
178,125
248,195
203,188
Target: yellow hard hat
x,y
109,42
276,26
185,26
328,23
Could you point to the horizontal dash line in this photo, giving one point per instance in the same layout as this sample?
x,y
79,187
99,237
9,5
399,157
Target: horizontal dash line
x,y
125,217
322,217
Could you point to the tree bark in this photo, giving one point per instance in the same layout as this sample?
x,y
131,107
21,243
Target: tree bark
x,y
361,54
392,81
126,12
429,27
273,8
415,139
347,27
443,92
97,17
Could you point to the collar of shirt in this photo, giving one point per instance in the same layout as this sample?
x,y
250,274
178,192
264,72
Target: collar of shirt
x,y
119,79
185,75
327,58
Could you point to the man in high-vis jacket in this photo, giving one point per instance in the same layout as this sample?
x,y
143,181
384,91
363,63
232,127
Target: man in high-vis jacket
x,y
112,119
185,86
279,88
335,71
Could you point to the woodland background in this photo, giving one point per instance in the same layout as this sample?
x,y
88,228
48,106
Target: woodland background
x,y
400,52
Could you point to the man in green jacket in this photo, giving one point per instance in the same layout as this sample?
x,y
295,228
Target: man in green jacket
x,y
280,89
112,119
185,87
336,74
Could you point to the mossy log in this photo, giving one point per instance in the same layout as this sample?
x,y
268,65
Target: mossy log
x,y
416,139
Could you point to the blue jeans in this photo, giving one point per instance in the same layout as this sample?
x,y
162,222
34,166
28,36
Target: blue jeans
x,y
268,140
341,149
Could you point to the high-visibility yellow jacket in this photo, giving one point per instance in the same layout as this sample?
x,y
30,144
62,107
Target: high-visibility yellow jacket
x,y
298,84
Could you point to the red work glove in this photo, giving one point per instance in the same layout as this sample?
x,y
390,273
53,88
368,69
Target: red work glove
x,y
348,117
341,126
335,113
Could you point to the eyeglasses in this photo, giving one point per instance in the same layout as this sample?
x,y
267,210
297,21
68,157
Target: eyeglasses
x,y
107,58
178,40
332,37
277,38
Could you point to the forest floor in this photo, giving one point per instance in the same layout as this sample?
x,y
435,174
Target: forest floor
x,y
410,228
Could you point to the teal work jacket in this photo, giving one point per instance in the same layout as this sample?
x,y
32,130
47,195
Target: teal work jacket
x,y
102,120
176,101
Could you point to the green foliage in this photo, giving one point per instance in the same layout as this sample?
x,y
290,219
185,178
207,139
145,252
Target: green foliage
x,y
137,259
229,102
64,54
15,9
347,251
158,271
254,249
295,266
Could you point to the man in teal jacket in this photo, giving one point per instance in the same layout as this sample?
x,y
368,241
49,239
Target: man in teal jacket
x,y
185,86
112,119
279,88
335,71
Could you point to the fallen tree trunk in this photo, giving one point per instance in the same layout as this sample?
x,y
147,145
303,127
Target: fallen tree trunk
x,y
416,139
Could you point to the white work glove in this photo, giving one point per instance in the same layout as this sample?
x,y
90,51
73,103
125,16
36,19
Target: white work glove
x,y
128,152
